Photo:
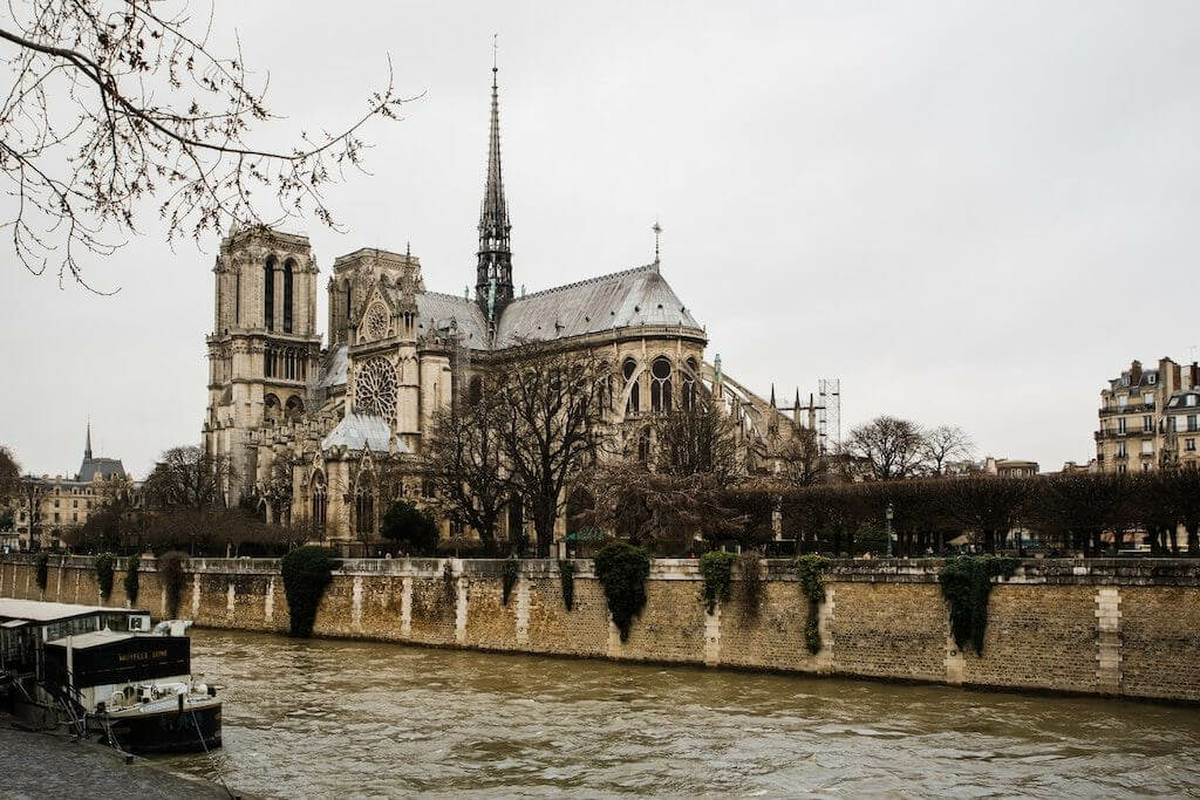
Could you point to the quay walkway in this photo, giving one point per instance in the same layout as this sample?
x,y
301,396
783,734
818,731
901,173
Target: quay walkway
x,y
36,765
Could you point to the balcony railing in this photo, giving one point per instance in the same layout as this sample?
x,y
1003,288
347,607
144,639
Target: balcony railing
x,y
1131,408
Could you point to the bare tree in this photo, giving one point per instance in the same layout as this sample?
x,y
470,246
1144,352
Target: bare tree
x,y
10,476
664,509
278,489
697,440
892,448
187,477
945,443
550,399
113,103
800,459
464,458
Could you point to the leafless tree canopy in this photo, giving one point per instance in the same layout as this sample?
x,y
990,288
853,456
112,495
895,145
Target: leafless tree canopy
x,y
801,461
550,400
943,444
663,509
187,477
465,460
113,102
696,440
10,475
892,448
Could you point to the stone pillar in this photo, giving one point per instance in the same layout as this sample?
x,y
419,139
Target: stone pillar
x,y
269,602
824,656
460,606
712,637
230,600
1108,640
195,595
356,609
522,610
406,607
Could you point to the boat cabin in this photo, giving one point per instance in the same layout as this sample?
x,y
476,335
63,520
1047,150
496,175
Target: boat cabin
x,y
26,626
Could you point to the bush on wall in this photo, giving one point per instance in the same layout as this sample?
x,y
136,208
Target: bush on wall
x,y
812,586
622,570
307,572
566,575
170,575
42,563
104,574
131,577
512,571
967,585
716,568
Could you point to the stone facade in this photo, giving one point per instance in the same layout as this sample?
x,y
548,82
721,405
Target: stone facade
x,y
1094,627
1150,419
308,431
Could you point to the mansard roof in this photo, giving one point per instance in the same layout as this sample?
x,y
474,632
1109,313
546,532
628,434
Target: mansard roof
x,y
334,367
632,298
105,468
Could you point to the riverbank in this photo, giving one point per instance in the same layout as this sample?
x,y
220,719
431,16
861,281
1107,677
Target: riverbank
x,y
35,764
1120,627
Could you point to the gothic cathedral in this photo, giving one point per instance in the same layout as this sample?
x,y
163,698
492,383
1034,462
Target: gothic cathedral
x,y
304,428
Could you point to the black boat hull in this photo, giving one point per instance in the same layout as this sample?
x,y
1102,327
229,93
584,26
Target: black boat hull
x,y
170,731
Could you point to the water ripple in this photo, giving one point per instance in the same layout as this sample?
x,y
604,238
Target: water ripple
x,y
338,719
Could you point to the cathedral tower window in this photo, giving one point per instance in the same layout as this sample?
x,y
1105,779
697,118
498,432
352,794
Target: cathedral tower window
x,y
634,404
237,299
294,408
660,385
269,294
474,390
688,395
288,295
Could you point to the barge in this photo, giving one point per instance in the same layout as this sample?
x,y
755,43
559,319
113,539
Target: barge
x,y
105,672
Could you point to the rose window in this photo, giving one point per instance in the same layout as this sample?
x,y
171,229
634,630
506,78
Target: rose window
x,y
377,322
375,388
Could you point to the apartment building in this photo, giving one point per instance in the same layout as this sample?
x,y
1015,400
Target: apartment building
x,y
1148,419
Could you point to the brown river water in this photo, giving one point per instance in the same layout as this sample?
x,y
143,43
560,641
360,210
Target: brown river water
x,y
323,718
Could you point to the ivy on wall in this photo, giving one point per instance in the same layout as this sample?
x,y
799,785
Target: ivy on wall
x,y
512,572
307,572
967,585
42,562
104,574
131,577
622,570
809,571
170,575
566,575
716,568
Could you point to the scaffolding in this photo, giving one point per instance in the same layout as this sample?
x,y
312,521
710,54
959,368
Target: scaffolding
x,y
829,415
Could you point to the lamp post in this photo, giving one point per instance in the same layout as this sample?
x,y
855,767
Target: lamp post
x,y
889,514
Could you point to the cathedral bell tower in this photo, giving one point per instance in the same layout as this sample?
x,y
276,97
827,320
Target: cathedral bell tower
x,y
264,346
493,279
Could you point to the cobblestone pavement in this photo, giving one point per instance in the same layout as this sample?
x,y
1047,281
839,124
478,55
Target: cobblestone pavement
x,y
37,765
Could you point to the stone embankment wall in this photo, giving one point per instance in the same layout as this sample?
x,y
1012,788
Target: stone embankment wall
x,y
1115,627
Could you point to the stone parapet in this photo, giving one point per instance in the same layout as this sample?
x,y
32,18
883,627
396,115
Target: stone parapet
x,y
1124,627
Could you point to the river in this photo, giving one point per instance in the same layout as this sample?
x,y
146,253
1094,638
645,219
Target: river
x,y
322,718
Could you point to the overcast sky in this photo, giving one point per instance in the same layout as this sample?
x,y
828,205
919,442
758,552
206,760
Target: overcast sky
x,y
970,213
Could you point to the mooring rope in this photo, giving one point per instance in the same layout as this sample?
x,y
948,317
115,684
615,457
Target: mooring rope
x,y
203,743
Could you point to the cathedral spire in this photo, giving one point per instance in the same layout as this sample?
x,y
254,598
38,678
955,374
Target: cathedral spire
x,y
87,447
494,268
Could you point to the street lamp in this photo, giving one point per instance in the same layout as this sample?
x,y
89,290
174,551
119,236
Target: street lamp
x,y
889,513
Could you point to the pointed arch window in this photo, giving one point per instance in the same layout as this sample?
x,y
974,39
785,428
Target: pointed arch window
x,y
288,295
688,391
633,405
364,508
319,503
660,385
269,294
644,446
